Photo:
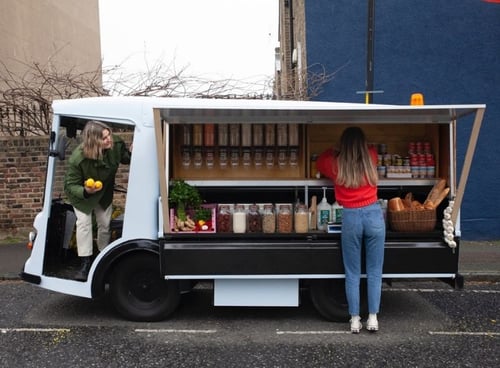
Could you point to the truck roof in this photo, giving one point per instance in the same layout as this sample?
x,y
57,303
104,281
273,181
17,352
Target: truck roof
x,y
190,110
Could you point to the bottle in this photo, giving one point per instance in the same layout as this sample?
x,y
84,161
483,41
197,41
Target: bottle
x,y
239,219
324,212
301,219
337,213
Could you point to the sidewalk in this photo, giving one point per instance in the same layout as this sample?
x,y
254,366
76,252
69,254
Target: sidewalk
x,y
479,261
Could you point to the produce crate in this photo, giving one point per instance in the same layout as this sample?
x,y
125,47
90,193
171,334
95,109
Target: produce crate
x,y
412,220
211,224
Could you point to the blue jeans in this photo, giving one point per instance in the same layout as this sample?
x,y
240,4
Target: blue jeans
x,y
363,226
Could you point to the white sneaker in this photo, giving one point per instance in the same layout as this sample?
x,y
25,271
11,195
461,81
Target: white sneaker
x,y
372,323
356,325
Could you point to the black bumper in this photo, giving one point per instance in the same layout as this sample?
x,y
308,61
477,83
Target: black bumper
x,y
296,254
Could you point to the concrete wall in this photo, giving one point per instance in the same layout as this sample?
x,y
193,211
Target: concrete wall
x,y
62,33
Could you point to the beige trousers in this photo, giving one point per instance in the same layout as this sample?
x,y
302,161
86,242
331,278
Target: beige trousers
x,y
84,236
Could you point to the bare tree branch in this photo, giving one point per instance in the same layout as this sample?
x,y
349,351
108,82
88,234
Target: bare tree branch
x,y
26,99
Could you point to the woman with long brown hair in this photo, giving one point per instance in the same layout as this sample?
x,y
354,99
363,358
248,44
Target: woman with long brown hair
x,y
98,158
354,173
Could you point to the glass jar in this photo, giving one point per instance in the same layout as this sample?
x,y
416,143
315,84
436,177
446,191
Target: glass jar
x,y
224,219
197,135
246,135
254,219
239,219
293,135
269,141
209,135
268,219
285,223
301,219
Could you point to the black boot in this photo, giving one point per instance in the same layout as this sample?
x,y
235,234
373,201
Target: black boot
x,y
82,274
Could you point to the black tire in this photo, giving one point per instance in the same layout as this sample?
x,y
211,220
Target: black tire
x,y
138,291
329,299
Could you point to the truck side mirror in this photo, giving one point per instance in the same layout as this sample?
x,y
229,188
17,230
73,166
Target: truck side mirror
x,y
60,150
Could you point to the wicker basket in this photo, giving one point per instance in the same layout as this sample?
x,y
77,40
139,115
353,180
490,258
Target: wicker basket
x,y
412,221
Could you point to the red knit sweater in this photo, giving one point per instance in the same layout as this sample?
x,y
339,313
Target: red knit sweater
x,y
347,197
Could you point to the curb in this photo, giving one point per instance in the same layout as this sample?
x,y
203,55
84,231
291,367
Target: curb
x,y
10,277
481,276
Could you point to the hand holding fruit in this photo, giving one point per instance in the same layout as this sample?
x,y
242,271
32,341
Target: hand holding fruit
x,y
92,186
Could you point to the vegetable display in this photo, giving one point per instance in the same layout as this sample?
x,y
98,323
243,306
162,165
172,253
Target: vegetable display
x,y
190,216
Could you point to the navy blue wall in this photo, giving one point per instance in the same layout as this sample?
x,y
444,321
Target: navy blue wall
x,y
449,50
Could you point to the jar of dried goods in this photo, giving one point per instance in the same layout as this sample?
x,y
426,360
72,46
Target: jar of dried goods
x,y
254,219
224,219
239,219
301,219
285,218
268,219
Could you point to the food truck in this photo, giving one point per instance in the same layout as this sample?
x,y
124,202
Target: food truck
x,y
254,236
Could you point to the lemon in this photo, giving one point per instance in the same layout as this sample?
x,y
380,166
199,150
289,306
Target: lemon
x,y
98,185
89,183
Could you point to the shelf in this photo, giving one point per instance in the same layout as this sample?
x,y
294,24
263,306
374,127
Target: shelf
x,y
302,183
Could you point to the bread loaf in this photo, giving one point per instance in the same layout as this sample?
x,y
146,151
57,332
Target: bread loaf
x,y
436,190
408,201
395,204
436,195
441,196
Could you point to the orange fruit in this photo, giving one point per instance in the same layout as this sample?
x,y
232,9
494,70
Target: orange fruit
x,y
98,185
89,183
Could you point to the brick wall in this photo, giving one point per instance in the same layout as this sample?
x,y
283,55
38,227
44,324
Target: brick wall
x,y
23,162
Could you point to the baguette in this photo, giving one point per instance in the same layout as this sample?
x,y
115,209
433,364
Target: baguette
x,y
436,190
442,196
313,211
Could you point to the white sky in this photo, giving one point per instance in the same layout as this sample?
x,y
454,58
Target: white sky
x,y
215,39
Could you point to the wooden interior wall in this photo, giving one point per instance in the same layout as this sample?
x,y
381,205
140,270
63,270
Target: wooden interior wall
x,y
316,138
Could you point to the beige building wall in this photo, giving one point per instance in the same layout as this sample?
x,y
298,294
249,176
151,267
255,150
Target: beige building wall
x,y
60,33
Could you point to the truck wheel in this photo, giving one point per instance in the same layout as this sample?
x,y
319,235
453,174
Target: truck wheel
x,y
329,299
138,291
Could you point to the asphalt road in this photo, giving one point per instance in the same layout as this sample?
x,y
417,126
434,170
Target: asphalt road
x,y
421,325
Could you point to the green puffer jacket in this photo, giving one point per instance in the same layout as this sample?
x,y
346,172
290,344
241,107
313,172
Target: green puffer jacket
x,y
81,168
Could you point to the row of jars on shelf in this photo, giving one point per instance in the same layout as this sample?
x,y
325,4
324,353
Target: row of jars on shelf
x,y
234,157
244,135
270,219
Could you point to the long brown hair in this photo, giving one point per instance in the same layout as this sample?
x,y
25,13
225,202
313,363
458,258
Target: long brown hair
x,y
355,165
92,139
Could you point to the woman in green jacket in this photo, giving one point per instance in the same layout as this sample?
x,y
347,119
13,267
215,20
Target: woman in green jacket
x,y
96,158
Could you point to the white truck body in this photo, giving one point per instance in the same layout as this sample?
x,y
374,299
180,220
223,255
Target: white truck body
x,y
145,228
